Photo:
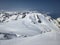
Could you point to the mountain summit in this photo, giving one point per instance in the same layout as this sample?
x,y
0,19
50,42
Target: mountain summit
x,y
30,24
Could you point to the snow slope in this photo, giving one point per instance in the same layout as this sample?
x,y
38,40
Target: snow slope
x,y
28,28
49,38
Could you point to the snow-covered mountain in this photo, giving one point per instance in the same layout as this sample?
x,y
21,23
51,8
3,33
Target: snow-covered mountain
x,y
28,28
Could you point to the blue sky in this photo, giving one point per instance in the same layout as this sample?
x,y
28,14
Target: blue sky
x,y
52,6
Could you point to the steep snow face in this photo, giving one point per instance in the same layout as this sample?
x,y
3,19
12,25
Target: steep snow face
x,y
28,28
25,24
30,23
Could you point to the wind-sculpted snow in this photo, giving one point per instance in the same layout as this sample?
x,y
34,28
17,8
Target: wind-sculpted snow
x,y
17,28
